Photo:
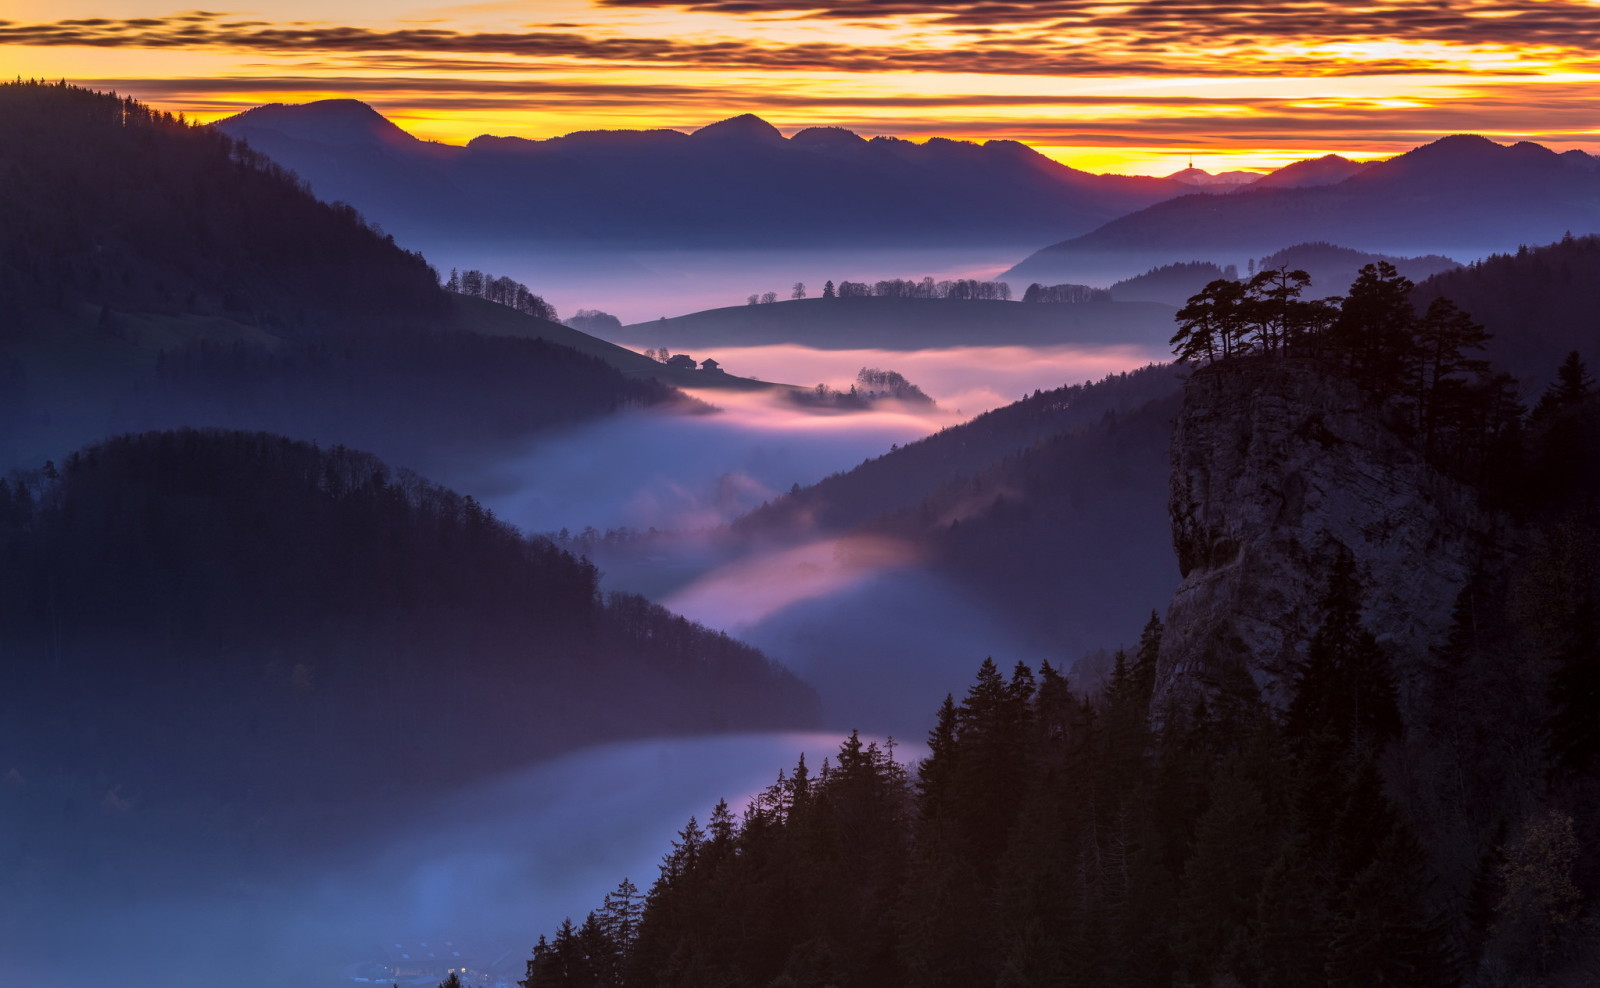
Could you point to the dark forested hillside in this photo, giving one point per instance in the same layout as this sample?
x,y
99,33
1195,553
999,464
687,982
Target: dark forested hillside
x,y
245,618
1540,302
904,478
155,274
111,204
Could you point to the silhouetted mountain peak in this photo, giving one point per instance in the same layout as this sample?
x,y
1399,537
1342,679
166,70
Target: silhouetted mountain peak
x,y
1460,149
827,137
333,121
745,128
1199,176
1330,169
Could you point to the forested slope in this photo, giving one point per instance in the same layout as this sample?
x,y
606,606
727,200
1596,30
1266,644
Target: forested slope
x,y
1384,820
254,620
157,274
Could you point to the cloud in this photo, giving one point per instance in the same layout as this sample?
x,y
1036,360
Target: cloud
x,y
1075,37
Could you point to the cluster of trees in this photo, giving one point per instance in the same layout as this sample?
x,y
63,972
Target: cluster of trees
x,y
1537,301
1065,293
871,386
504,291
1429,826
1052,837
965,289
1422,363
113,205
592,321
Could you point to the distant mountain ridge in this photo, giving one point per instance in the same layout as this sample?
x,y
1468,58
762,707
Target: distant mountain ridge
x,y
737,182
1462,193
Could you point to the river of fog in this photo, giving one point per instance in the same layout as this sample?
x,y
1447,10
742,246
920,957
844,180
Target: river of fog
x,y
489,868
494,865
658,470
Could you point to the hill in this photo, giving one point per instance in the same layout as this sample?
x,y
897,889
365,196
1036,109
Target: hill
x,y
1362,748
1458,194
156,274
907,324
1170,284
1540,302
738,183
263,623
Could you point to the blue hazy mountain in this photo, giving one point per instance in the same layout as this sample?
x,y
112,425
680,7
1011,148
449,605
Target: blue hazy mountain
x,y
1462,194
735,183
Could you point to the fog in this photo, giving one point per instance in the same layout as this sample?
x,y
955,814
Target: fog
x,y
673,471
878,634
965,380
491,867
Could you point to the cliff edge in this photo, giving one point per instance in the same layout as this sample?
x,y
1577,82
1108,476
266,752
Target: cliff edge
x,y
1276,462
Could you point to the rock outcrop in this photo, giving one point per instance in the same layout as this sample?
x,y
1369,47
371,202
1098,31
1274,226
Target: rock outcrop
x,y
1275,464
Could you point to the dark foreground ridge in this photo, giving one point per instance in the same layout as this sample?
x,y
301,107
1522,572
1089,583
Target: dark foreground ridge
x,y
253,621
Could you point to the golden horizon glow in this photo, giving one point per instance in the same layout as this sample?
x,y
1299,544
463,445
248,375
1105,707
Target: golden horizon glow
x,y
1103,87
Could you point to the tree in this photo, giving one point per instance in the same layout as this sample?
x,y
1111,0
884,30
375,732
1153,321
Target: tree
x,y
1281,318
1374,332
1571,386
753,300
799,290
1211,325
623,909
767,298
827,289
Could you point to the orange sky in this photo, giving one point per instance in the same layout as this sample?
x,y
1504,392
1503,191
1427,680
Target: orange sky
x,y
1108,86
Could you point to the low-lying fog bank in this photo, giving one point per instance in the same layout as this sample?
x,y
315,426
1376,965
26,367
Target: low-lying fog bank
x,y
683,472
490,868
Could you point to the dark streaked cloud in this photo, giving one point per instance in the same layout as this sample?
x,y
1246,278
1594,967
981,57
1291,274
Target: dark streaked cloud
x,y
1557,112
1156,37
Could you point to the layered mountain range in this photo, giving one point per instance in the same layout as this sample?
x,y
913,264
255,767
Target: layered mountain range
x,y
1458,194
736,183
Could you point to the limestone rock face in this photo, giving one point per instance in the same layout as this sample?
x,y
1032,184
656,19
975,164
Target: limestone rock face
x,y
1274,465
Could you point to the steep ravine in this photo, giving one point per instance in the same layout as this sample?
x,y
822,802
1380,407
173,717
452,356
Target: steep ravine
x,y
1275,463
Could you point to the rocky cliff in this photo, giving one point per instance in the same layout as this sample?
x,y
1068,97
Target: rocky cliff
x,y
1275,464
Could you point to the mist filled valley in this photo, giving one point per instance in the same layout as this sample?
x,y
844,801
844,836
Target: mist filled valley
x,y
1182,581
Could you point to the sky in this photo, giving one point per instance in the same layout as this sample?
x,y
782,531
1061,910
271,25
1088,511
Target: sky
x,y
1133,87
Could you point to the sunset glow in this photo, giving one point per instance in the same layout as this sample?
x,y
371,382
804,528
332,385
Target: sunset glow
x,y
1133,87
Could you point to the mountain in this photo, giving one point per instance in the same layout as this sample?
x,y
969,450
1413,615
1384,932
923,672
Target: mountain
x,y
1461,193
155,274
906,324
1330,169
1220,181
1170,284
737,183
264,624
1333,268
1540,302
1363,748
